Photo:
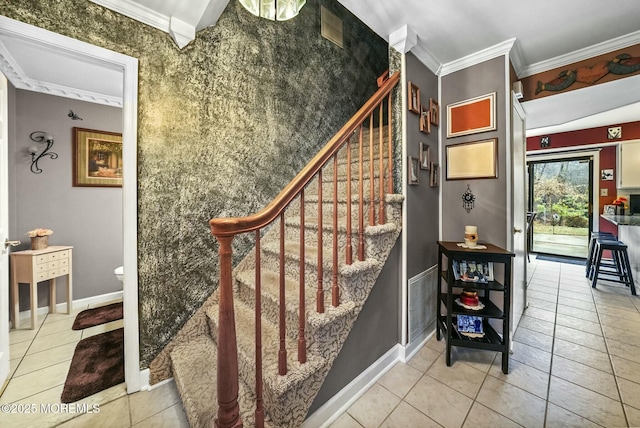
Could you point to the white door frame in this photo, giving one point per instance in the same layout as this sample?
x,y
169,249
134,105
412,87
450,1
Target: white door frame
x,y
4,230
129,67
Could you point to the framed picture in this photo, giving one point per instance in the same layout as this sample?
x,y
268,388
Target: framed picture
x,y
413,176
609,209
606,175
471,271
477,159
425,122
425,156
434,174
470,325
414,98
434,112
471,116
97,158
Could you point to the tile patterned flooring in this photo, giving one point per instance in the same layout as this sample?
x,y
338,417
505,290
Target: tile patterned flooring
x,y
576,363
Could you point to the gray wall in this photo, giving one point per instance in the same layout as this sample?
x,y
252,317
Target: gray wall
x,y
374,333
490,212
87,218
422,201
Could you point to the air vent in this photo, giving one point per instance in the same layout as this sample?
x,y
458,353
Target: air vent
x,y
331,26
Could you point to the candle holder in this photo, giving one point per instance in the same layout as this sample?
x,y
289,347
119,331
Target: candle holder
x,y
471,236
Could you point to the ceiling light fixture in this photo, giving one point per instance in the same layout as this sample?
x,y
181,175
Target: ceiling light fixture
x,y
40,137
275,10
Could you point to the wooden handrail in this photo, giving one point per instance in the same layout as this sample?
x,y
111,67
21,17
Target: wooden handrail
x,y
232,226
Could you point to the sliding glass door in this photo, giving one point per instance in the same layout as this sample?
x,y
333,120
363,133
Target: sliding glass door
x,y
560,193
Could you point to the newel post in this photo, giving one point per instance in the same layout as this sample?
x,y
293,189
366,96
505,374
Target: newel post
x,y
228,408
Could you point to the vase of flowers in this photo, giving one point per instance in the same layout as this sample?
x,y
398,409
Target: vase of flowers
x,y
39,238
619,202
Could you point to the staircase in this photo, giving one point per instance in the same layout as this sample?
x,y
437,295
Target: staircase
x,y
278,320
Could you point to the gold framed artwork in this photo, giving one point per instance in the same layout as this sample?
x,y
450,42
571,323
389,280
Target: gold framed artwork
x,y
477,159
425,122
471,116
414,98
97,158
434,112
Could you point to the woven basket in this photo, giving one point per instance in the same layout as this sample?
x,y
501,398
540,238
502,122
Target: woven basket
x,y
39,242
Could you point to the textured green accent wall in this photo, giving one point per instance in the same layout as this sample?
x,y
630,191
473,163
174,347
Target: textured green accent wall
x,y
223,125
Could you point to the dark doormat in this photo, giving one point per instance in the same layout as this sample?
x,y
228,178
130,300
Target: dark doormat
x,y
96,316
561,259
97,364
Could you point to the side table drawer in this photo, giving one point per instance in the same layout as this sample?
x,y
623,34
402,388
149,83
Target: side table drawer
x,y
58,255
42,258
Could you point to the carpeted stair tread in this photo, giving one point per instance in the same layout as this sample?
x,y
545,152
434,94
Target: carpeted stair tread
x,y
311,222
245,331
194,366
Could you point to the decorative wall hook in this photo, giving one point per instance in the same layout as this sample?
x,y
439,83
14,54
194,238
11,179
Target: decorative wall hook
x,y
468,199
73,115
40,137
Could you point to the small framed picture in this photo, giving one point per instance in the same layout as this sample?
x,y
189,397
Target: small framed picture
x,y
425,122
425,156
470,325
609,209
606,175
413,173
434,112
97,158
414,98
434,175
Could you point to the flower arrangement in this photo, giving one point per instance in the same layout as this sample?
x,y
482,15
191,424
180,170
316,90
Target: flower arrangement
x,y
39,232
620,200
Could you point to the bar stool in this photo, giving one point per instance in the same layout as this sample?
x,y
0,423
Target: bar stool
x,y
618,267
592,245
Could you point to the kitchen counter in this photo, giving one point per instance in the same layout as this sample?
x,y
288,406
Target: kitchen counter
x,y
630,235
622,220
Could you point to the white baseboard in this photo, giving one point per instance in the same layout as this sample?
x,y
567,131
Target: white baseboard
x,y
62,307
145,381
413,348
339,403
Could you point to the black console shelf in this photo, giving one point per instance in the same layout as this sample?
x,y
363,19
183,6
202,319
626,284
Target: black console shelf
x,y
447,322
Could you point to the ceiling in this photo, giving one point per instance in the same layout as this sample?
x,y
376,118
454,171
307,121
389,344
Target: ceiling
x,y
545,34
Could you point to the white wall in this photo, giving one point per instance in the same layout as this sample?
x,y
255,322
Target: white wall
x,y
88,218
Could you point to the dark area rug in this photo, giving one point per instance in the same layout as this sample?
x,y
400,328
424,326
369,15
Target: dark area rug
x,y
97,364
561,259
96,316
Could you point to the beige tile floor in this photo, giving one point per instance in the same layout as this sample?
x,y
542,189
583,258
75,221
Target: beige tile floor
x,y
40,361
576,363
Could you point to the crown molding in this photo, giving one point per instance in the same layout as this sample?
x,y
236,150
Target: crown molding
x,y
403,39
582,54
516,58
180,31
20,80
478,57
138,12
425,56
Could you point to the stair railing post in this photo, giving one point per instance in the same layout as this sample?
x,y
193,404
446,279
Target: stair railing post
x,y
228,408
390,148
372,180
349,244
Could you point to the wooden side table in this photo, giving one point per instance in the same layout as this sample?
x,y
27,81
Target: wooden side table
x,y
33,266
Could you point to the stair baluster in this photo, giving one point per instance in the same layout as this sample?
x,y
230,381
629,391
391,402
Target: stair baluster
x,y
335,297
360,198
372,181
381,219
320,292
302,342
259,413
390,148
282,353
349,256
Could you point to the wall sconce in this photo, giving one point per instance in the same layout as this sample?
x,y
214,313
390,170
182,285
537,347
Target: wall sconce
x,y
40,137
